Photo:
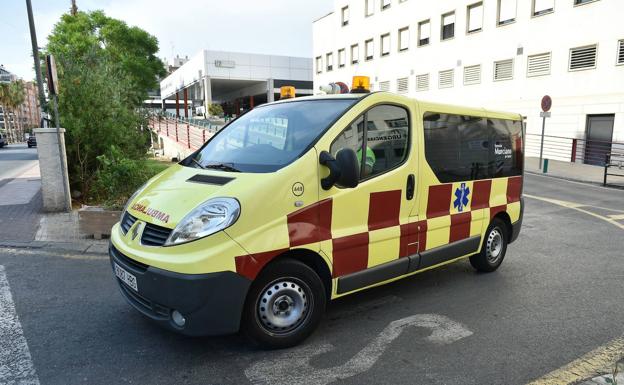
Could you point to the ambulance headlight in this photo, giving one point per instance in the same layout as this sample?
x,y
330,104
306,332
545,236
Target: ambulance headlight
x,y
208,218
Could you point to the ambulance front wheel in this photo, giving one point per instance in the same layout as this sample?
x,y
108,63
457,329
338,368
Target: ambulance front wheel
x,y
493,249
284,305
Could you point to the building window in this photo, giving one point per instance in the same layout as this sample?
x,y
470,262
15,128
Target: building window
x,y
422,82
329,61
506,12
503,70
319,64
445,79
370,7
385,44
472,74
403,39
583,58
355,54
342,58
384,86
542,7
345,15
581,2
369,49
385,4
475,18
620,54
538,65
402,85
424,32
447,30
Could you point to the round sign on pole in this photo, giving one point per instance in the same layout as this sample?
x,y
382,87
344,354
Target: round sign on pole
x,y
546,103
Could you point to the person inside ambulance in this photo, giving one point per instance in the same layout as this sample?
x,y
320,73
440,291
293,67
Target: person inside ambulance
x,y
369,162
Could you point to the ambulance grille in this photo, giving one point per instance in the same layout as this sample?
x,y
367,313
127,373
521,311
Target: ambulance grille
x,y
154,235
126,222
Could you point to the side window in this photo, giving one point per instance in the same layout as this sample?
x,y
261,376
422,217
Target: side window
x,y
462,148
507,147
387,139
457,147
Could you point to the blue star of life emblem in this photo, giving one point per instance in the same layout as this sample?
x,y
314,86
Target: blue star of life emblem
x,y
461,197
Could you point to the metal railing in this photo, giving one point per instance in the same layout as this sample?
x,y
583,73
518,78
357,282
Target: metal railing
x,y
192,133
575,150
613,160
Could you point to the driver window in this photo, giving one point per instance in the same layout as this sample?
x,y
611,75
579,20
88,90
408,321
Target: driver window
x,y
387,133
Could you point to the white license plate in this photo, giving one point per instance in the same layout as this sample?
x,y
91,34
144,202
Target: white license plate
x,y
127,278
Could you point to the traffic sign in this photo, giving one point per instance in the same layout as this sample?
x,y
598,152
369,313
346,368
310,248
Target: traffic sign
x,y
546,103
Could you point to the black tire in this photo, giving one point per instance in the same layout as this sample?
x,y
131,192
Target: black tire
x,y
493,249
288,287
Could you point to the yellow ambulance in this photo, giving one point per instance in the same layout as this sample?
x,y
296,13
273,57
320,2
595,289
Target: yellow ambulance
x,y
304,200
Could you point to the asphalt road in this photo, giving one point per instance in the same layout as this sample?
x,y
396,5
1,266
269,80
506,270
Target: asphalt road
x,y
15,159
557,296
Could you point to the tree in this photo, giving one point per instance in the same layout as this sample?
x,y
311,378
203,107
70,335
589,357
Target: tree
x,y
12,96
132,48
215,109
95,109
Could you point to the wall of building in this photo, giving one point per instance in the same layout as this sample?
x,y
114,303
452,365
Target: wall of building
x,y
575,93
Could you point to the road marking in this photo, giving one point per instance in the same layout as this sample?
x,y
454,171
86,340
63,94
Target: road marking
x,y
16,365
577,207
618,217
293,367
598,361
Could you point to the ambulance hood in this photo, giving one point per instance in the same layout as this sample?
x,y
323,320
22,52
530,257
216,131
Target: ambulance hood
x,y
170,196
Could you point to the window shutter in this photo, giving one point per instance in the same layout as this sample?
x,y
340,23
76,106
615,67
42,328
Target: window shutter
x,y
370,7
583,58
425,30
543,6
402,85
355,54
620,55
342,57
422,82
472,74
445,79
369,49
506,11
475,18
385,44
503,70
538,65
384,86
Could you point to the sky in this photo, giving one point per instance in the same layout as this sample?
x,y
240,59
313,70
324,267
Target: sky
x,y
281,27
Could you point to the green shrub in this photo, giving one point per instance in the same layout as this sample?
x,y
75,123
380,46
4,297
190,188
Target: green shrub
x,y
118,177
215,110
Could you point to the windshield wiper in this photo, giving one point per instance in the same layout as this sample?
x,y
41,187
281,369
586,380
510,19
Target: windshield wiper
x,y
222,166
198,164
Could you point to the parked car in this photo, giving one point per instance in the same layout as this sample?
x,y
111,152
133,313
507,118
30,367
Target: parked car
x,y
2,141
32,141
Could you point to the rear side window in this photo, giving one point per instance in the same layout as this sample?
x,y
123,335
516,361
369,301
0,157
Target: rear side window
x,y
387,139
460,147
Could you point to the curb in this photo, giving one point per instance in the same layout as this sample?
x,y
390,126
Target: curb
x,y
98,248
592,183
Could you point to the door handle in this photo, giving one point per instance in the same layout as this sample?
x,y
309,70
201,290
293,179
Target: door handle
x,y
411,185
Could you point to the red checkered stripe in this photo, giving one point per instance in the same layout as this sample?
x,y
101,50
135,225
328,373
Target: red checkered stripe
x,y
312,224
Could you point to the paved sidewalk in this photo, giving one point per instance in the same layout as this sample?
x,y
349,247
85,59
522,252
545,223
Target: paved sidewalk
x,y
574,171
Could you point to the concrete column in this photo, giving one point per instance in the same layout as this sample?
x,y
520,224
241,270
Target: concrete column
x,y
56,197
251,102
270,94
207,93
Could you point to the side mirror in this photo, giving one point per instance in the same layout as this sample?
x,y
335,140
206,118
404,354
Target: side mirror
x,y
344,170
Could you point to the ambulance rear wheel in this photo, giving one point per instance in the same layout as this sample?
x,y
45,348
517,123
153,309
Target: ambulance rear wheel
x,y
493,249
284,305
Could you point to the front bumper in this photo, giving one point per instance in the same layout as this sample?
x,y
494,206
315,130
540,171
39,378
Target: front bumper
x,y
211,303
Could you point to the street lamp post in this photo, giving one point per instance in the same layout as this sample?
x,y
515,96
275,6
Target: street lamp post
x,y
35,49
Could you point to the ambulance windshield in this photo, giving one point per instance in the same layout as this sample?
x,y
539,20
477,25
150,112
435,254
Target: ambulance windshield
x,y
269,137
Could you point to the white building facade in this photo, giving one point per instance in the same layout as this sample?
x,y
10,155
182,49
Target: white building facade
x,y
499,54
237,81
